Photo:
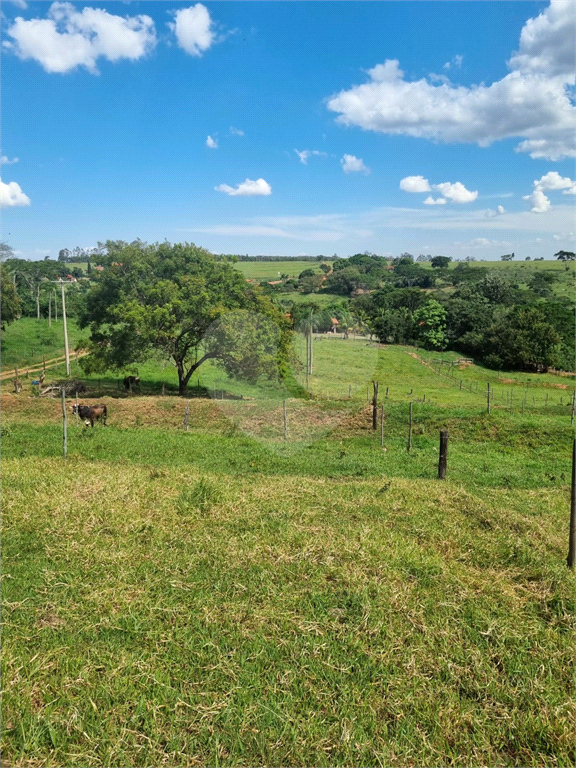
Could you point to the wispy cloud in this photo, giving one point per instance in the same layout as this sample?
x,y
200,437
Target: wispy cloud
x,y
351,164
306,153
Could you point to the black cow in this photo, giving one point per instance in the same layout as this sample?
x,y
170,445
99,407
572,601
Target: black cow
x,y
131,381
91,413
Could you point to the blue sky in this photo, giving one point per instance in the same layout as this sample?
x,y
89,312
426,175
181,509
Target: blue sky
x,y
290,127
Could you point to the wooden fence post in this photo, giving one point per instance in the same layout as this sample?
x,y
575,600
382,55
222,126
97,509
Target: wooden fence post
x,y
572,534
410,428
186,415
163,389
64,424
387,393
375,406
442,460
381,426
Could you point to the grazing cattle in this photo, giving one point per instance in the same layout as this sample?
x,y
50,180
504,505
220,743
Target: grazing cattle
x,y
91,413
131,381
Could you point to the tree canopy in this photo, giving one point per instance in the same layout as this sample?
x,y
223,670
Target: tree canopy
x,y
166,300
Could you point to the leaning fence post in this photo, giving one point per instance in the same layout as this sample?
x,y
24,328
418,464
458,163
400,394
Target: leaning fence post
x,y
443,454
187,414
572,533
64,425
410,428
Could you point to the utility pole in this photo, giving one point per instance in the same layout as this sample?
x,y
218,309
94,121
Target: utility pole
x,y
66,350
311,339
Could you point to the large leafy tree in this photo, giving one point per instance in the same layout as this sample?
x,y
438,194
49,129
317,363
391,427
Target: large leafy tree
x,y
430,321
166,299
9,299
522,338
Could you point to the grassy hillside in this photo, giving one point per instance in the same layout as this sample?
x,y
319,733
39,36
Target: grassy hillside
x,y
271,270
25,341
225,596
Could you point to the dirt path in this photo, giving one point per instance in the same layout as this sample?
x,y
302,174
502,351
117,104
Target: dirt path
x,y
38,367
416,357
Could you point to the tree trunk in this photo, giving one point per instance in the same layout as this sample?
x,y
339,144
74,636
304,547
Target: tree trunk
x,y
184,377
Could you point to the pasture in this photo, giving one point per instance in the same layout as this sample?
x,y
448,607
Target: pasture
x,y
271,270
232,594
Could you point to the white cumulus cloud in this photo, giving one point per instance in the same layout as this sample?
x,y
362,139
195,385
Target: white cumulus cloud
x,y
193,29
431,201
415,184
456,192
11,194
4,160
246,189
538,201
351,164
212,143
552,180
236,131
533,102
70,38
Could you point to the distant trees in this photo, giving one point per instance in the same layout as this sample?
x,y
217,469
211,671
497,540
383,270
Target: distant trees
x,y
9,299
430,320
6,251
565,255
441,261
507,257
521,338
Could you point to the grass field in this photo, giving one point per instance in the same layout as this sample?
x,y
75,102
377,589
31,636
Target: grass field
x,y
223,596
27,340
271,270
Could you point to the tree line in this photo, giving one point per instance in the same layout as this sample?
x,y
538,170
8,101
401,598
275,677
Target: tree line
x,y
181,303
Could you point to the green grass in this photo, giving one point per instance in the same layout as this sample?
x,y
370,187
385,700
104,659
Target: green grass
x,y
222,596
271,270
157,615
25,341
